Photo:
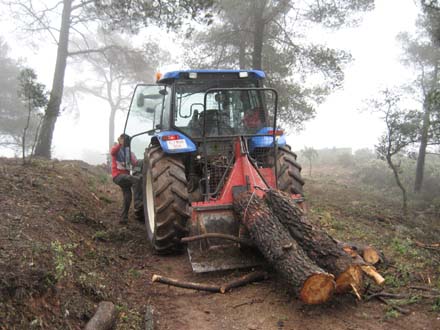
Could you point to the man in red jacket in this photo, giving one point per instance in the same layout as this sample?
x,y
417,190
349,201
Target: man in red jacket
x,y
121,157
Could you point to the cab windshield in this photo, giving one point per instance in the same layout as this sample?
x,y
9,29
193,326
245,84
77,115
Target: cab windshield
x,y
222,112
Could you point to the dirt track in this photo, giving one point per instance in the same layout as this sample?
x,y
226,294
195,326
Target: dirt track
x,y
62,251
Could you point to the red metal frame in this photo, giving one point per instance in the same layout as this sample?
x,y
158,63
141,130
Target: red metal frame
x,y
242,170
242,173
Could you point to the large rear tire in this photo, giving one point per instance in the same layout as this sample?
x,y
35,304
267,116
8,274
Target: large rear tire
x,y
289,171
165,196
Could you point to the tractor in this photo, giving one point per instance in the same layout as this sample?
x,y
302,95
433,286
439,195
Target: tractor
x,y
204,137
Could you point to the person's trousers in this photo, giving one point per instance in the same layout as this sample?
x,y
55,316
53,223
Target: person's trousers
x,y
126,182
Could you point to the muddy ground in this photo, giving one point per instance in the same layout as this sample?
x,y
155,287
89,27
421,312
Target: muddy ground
x,y
62,251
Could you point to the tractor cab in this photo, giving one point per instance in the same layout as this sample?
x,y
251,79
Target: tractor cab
x,y
201,103
206,135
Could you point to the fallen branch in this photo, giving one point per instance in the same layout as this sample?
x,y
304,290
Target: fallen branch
x,y
246,279
242,241
149,318
185,285
397,308
433,246
104,317
251,302
424,288
371,272
387,295
249,278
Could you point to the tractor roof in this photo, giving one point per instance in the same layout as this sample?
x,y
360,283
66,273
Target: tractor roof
x,y
184,74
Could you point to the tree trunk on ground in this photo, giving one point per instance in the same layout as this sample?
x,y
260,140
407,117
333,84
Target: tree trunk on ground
x,y
371,255
104,317
309,282
44,144
319,246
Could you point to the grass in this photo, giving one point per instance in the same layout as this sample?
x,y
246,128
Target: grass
x,y
391,313
134,273
63,258
436,306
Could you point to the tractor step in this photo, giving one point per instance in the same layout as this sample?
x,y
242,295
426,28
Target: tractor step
x,y
218,258
214,254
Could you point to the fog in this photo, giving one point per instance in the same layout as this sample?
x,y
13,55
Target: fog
x,y
82,133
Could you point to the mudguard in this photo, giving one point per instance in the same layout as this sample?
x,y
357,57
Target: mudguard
x,y
174,142
266,141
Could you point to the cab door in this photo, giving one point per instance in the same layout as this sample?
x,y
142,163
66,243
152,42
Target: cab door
x,y
145,115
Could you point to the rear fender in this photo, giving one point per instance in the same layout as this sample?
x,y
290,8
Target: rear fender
x,y
266,141
174,142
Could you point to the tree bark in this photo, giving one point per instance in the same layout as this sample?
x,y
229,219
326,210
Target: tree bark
x,y
399,184
309,282
319,246
371,255
248,278
420,168
104,317
111,127
424,138
44,144
259,26
185,285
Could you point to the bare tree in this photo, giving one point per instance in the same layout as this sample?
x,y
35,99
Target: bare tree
x,y
74,17
116,68
310,153
402,130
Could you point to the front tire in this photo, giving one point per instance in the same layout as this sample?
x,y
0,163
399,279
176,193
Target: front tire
x,y
289,171
165,197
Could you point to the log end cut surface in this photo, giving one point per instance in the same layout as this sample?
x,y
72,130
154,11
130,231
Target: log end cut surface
x,y
317,289
370,255
352,277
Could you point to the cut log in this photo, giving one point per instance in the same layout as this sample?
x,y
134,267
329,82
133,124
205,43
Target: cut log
x,y
104,317
308,281
319,246
370,254
371,272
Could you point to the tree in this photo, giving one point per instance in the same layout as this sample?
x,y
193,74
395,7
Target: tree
x,y
310,153
21,99
11,113
431,10
402,130
269,35
34,97
116,69
422,54
38,16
